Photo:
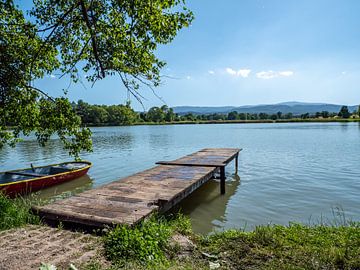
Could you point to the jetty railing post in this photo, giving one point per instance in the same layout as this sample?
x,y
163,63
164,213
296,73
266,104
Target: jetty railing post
x,y
222,179
236,163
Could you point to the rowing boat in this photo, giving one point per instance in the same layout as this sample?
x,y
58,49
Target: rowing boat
x,y
33,179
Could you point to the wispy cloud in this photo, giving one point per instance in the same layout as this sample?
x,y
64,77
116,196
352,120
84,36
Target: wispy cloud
x,y
188,77
51,76
211,72
270,74
286,73
239,73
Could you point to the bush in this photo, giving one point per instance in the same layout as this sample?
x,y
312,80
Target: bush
x,y
145,242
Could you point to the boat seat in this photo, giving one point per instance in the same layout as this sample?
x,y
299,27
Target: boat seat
x,y
27,174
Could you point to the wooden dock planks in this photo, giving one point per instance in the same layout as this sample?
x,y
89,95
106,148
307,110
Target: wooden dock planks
x,y
131,199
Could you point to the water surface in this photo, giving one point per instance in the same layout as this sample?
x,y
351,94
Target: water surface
x,y
287,171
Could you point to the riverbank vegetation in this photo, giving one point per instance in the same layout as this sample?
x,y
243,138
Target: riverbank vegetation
x,y
296,246
124,115
168,243
15,212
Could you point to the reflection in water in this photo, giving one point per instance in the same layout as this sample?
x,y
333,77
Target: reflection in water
x,y
161,138
110,141
66,189
344,126
31,152
207,207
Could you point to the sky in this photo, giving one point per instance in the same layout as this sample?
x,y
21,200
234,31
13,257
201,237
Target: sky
x,y
241,52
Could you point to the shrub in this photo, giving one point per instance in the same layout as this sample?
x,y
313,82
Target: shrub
x,y
144,243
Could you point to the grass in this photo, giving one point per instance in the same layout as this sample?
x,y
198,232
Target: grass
x,y
295,246
15,212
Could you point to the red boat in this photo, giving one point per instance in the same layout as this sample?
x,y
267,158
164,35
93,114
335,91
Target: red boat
x,y
33,179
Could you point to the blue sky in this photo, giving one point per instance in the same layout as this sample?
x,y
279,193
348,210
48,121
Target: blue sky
x,y
240,52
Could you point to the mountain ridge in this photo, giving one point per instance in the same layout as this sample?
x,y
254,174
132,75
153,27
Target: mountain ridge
x,y
293,107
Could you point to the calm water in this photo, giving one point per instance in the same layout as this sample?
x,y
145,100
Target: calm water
x,y
288,172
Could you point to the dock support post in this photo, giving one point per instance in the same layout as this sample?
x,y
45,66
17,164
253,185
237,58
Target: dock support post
x,y
222,179
236,163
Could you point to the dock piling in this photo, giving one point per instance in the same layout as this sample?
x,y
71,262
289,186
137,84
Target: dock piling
x,y
222,180
237,163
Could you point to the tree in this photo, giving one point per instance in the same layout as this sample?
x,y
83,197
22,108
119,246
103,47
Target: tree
x,y
344,112
170,115
263,116
155,114
121,115
97,37
22,106
232,115
358,111
98,115
325,114
305,116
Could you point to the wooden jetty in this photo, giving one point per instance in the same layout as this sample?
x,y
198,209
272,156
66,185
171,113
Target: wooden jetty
x,y
131,199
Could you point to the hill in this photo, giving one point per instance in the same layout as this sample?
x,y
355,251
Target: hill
x,y
294,107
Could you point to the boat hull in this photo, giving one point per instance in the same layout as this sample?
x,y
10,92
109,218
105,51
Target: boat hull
x,y
38,183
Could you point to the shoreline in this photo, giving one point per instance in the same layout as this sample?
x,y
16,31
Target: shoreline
x,y
207,122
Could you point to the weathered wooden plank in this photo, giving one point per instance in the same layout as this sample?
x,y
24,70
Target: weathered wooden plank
x,y
193,164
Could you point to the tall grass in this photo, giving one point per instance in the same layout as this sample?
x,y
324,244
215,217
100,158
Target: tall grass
x,y
296,246
15,212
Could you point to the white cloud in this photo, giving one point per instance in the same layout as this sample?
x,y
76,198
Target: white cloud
x,y
188,77
211,72
270,74
230,71
286,73
239,73
266,75
243,72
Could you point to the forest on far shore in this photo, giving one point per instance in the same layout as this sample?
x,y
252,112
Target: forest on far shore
x,y
123,115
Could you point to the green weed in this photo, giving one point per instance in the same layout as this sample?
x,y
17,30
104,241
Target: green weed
x,y
146,244
15,212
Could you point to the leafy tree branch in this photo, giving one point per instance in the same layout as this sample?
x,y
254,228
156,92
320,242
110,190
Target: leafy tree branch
x,y
98,38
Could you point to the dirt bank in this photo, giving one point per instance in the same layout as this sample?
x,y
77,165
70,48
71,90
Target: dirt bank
x,y
28,247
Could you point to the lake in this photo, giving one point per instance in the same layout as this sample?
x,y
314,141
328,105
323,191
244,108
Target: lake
x,y
302,172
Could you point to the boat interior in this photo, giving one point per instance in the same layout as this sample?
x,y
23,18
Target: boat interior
x,y
34,172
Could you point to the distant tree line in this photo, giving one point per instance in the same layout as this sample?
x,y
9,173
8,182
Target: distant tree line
x,y
123,114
